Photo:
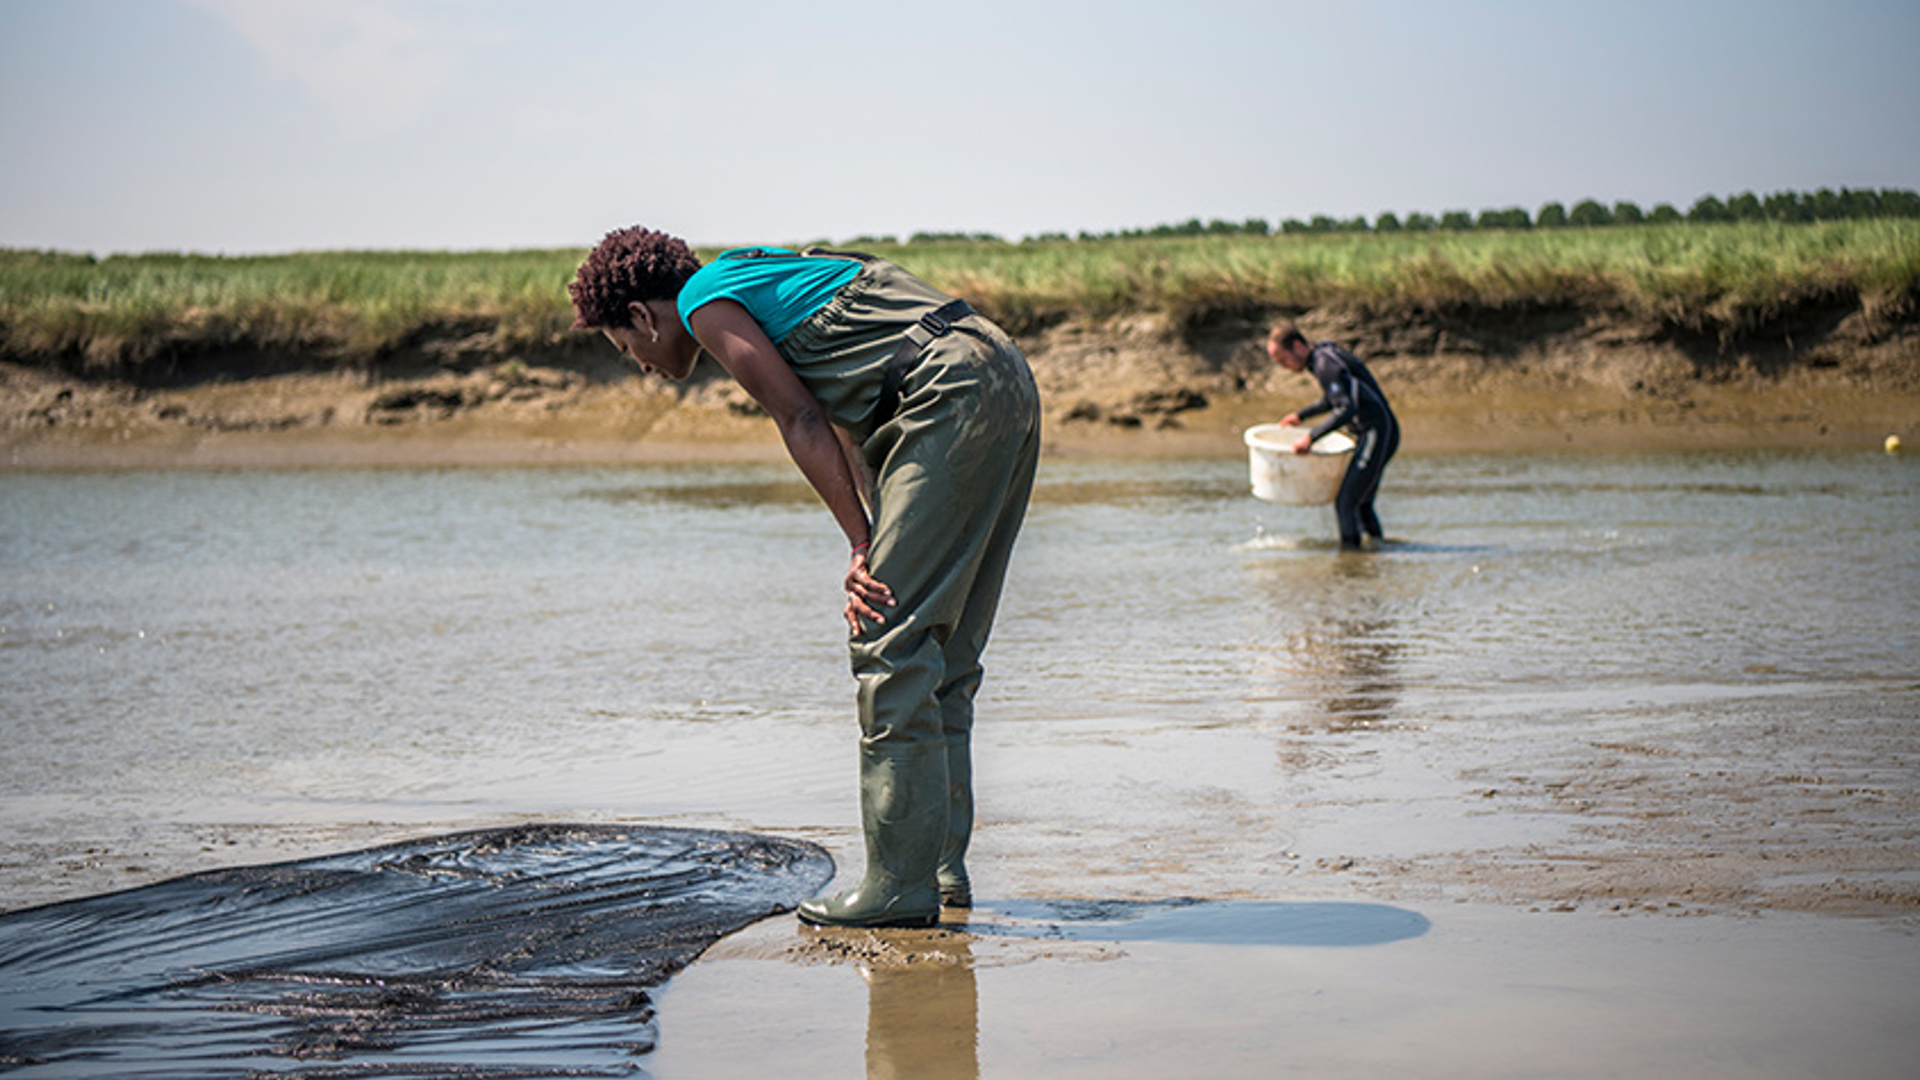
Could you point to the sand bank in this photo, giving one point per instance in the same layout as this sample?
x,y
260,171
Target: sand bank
x,y
1146,384
627,425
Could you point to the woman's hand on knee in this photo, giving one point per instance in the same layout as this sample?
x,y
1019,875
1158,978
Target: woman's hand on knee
x,y
866,594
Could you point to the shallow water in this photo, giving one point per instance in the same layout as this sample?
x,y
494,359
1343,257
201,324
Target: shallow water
x,y
1182,677
307,645
325,646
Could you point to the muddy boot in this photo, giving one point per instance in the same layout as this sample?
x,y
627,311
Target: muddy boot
x,y
955,890
903,811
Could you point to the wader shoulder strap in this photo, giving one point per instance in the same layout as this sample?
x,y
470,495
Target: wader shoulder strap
x,y
935,323
815,252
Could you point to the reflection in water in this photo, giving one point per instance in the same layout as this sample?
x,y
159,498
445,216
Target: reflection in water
x,y
1337,638
1353,660
923,1014
923,1005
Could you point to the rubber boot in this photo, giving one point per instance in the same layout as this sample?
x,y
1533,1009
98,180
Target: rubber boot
x,y
956,891
903,812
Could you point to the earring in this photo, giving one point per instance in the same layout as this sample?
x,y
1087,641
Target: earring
x,y
655,331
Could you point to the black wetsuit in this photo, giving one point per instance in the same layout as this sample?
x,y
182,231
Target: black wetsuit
x,y
1355,401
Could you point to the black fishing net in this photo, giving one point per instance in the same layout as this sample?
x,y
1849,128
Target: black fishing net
x,y
499,953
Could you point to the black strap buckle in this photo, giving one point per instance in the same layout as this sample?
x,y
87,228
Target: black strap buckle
x,y
941,319
936,323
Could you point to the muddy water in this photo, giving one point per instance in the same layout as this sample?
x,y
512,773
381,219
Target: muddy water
x,y
1191,694
195,652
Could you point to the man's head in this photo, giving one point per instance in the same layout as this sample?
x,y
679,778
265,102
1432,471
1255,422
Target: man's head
x,y
1288,347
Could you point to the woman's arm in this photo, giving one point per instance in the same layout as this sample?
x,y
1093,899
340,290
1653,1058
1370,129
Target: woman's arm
x,y
857,464
725,329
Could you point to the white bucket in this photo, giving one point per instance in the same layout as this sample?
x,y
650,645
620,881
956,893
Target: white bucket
x,y
1282,476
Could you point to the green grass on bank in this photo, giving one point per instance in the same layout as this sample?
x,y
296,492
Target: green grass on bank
x,y
1689,274
128,310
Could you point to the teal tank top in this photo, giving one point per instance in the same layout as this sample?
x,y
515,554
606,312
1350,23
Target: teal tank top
x,y
779,288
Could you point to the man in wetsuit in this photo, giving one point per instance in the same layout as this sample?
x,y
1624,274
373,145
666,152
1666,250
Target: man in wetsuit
x,y
1354,401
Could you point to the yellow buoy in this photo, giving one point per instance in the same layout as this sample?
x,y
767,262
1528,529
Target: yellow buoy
x,y
1893,444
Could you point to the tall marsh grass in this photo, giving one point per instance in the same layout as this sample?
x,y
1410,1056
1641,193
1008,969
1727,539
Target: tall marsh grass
x,y
354,306
1727,274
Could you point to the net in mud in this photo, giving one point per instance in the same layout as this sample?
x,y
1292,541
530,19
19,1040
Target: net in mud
x,y
525,951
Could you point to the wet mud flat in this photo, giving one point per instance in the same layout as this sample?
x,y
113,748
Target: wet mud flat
x,y
516,952
1310,988
564,951
1658,897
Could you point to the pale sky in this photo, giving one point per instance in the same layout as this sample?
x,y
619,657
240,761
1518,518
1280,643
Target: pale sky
x,y
252,126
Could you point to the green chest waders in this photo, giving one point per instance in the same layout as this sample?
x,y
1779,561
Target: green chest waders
x,y
950,425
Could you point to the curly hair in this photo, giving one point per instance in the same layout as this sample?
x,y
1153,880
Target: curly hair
x,y
629,265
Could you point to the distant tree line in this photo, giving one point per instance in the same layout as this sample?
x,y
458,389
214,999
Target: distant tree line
x,y
1825,204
